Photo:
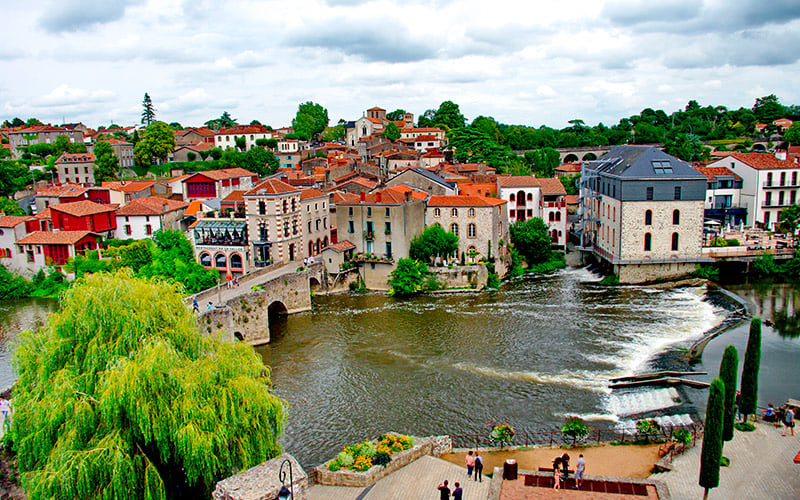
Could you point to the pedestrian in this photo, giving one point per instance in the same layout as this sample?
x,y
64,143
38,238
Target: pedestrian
x,y
556,475
210,306
5,410
738,405
769,413
195,306
580,467
788,421
565,467
470,464
235,282
458,492
444,491
478,467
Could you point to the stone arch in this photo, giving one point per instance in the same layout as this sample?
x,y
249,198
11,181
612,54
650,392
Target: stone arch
x,y
220,260
236,261
589,157
759,147
205,259
314,284
238,336
277,314
570,158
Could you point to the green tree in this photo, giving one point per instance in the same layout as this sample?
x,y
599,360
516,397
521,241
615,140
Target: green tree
x,y
148,110
792,135
391,132
10,207
408,278
687,147
727,372
107,163
426,118
310,121
789,218
543,161
216,154
449,115
173,259
395,115
711,454
141,405
335,133
241,143
531,239
176,126
13,286
158,142
768,109
434,241
224,121
752,364
570,183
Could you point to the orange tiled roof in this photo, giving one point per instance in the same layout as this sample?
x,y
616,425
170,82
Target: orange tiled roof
x,y
62,190
75,157
128,185
225,173
194,207
712,172
376,108
44,214
12,220
179,178
57,238
244,129
83,208
271,186
517,181
235,195
310,193
341,246
569,167
551,185
151,206
763,161
477,189
415,130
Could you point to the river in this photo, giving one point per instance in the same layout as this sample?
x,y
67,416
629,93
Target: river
x,y
538,349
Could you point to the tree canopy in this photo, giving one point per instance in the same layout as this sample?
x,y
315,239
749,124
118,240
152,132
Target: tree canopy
x,y
433,242
711,453
224,121
789,218
310,121
391,132
158,142
107,163
792,135
120,396
531,240
408,278
148,110
395,115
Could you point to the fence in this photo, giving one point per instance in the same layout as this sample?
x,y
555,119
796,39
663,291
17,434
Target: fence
x,y
555,437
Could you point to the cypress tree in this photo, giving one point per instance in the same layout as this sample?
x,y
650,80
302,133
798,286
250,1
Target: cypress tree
x,y
752,362
727,372
711,454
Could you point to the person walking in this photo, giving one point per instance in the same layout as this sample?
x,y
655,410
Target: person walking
x,y
444,491
565,468
478,467
580,467
210,306
470,464
458,492
788,421
738,406
195,306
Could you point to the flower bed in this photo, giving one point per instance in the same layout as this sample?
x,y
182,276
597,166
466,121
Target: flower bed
x,y
362,464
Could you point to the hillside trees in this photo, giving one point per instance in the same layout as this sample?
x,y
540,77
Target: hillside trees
x,y
158,142
310,121
106,162
141,405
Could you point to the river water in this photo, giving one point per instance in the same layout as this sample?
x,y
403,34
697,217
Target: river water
x,y
538,349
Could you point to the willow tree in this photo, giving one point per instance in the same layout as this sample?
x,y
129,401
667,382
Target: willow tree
x,y
119,396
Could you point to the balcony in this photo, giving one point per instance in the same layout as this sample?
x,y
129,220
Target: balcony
x,y
777,185
369,235
778,204
552,204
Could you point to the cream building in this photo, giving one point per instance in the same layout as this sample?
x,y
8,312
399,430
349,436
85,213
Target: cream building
x,y
274,222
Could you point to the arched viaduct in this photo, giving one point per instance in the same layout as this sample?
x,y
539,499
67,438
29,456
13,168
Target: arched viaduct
x,y
249,315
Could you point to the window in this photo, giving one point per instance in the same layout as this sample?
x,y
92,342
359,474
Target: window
x,y
783,178
647,241
350,211
350,227
454,212
369,211
792,197
674,242
471,230
780,198
766,218
511,213
794,178
325,224
317,225
454,228
309,226
285,206
220,261
769,179
286,229
148,229
437,212
677,194
649,193
387,227
662,167
128,230
386,212
530,197
768,199
513,198
262,208
472,212
236,261
676,217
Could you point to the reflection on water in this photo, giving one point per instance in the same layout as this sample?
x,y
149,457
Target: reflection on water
x,y
17,316
788,326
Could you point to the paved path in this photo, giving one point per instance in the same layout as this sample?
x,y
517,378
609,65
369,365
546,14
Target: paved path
x,y
761,467
416,481
230,293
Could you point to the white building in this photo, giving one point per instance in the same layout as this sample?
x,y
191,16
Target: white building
x,y
769,184
12,229
226,138
142,217
530,197
723,196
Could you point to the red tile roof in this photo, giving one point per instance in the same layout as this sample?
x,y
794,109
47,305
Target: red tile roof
x,y
57,238
133,186
308,194
244,129
62,190
225,173
194,207
569,167
476,188
12,220
341,246
75,158
549,186
271,186
764,161
235,195
552,186
376,108
151,206
712,172
83,208
417,130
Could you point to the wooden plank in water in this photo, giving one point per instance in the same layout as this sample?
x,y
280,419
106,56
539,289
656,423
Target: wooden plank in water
x,y
653,375
662,381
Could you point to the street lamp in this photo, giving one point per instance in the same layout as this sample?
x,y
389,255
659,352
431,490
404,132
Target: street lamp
x,y
286,492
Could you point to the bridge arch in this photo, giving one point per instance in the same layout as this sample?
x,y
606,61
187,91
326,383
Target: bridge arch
x,y
276,317
572,157
759,147
589,157
313,284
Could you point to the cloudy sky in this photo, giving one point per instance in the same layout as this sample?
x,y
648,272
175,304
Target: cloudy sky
x,y
528,62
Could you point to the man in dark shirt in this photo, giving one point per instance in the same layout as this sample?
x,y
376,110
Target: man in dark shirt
x,y
444,491
457,492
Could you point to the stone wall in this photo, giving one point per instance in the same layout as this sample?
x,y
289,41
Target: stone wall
x,y
346,477
376,274
262,482
641,273
472,276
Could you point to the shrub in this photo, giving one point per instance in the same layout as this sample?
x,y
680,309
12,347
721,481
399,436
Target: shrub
x,y
647,429
706,272
744,426
493,281
682,436
575,429
334,466
610,280
503,434
344,459
381,458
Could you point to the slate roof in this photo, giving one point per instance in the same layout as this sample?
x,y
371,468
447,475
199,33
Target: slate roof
x,y
428,175
636,162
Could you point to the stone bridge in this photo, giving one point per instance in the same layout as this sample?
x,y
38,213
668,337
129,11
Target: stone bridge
x,y
587,153
248,313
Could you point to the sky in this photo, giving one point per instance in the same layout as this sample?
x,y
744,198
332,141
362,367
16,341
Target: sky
x,y
522,62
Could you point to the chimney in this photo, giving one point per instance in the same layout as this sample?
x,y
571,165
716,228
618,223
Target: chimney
x,y
781,155
379,196
363,196
408,196
285,179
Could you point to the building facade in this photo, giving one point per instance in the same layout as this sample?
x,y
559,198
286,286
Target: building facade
x,y
642,213
315,212
530,197
142,217
723,196
75,168
274,222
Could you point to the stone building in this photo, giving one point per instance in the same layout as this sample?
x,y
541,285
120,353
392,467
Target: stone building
x,y
529,197
274,222
40,134
75,168
315,213
481,225
642,213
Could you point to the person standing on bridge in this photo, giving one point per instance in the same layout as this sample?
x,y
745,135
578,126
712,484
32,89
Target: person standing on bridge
x,y
195,307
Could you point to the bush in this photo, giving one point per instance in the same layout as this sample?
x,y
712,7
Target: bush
x,y
381,458
334,466
744,426
503,434
362,464
706,272
344,459
610,280
647,429
682,436
575,429
493,281
408,278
